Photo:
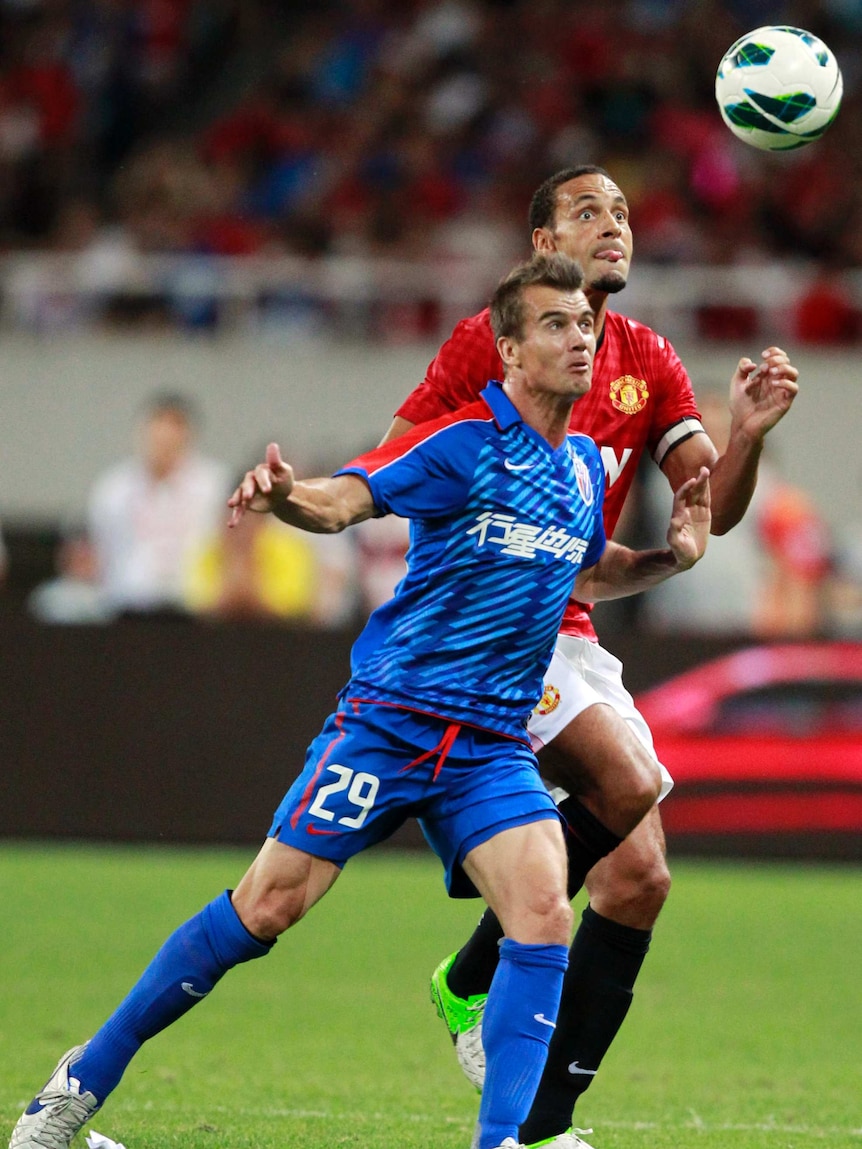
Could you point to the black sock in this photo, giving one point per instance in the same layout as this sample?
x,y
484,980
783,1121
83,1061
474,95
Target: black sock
x,y
476,963
604,961
587,841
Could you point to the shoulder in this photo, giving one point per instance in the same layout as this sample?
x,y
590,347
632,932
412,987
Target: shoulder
x,y
473,419
475,326
448,434
470,338
115,482
636,333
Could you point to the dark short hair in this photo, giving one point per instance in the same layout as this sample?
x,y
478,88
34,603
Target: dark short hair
x,y
171,403
544,270
543,205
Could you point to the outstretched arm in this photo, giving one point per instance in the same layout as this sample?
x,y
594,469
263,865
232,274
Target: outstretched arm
x,y
621,571
397,428
322,506
760,395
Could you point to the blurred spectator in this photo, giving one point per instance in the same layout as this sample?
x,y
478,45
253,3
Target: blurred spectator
x,y
73,596
381,122
767,578
825,313
261,568
336,597
378,129
149,512
381,546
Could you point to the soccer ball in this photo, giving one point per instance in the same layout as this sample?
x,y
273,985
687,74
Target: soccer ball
x,y
778,88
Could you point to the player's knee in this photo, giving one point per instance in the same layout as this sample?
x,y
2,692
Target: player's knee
x,y
559,922
268,914
639,791
549,921
633,890
649,889
646,781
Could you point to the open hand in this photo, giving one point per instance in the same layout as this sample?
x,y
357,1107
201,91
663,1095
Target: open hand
x,y
761,394
263,488
690,520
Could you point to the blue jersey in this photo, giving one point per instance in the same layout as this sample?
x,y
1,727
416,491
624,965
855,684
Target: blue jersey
x,y
501,523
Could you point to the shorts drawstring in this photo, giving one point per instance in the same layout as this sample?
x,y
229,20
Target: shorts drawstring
x,y
442,748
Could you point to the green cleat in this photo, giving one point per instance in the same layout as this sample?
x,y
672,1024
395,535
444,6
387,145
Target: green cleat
x,y
464,1021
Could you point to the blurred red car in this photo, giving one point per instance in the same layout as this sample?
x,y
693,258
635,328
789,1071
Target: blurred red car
x,y
765,745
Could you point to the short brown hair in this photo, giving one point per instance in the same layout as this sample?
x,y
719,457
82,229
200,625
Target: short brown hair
x,y
544,270
543,205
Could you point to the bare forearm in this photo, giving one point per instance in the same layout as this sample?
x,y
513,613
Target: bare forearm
x,y
621,572
325,506
732,481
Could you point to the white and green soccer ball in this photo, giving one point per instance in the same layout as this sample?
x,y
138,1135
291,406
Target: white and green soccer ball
x,y
778,88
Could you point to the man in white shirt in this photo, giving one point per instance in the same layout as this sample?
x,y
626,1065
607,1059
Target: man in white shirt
x,y
148,512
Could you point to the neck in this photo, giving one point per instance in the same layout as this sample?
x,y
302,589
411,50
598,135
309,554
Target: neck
x,y
547,414
598,300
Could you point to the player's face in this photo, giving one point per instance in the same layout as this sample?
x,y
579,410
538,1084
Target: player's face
x,y
592,226
555,353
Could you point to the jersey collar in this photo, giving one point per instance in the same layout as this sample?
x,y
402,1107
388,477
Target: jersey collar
x,y
502,408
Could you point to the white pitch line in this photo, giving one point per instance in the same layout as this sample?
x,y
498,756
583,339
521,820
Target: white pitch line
x,y
695,1123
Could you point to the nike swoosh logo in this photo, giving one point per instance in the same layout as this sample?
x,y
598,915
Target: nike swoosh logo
x,y
510,466
541,1018
575,1068
187,987
316,830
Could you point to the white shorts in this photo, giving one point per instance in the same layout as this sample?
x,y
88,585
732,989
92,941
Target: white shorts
x,y
581,674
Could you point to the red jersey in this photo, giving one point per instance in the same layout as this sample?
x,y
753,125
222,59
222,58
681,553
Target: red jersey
x,y
641,399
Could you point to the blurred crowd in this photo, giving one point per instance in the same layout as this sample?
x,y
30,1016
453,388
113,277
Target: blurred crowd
x,y
407,128
154,543
415,130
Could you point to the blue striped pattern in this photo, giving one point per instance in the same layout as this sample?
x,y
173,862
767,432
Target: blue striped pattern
x,y
472,627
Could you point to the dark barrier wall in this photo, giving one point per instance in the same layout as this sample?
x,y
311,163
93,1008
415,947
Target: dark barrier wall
x,y
181,732
157,730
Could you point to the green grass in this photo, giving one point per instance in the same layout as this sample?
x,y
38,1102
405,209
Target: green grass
x,y
744,1033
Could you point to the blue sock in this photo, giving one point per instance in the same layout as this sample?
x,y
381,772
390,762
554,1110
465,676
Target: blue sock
x,y
516,1031
183,972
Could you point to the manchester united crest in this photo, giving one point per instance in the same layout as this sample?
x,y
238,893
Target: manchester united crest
x,y
549,701
629,395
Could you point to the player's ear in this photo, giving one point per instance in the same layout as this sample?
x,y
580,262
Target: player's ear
x,y
543,240
507,349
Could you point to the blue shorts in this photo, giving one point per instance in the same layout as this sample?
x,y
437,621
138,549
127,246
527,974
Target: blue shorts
x,y
372,767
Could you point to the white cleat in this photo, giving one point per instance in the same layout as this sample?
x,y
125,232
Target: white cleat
x,y
471,1055
58,1112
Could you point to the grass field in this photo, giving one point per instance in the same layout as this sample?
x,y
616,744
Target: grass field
x,y
744,1034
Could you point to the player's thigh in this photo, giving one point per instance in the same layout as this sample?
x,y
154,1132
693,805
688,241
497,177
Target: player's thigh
x,y
486,785
355,787
632,883
586,729
279,887
597,752
521,874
